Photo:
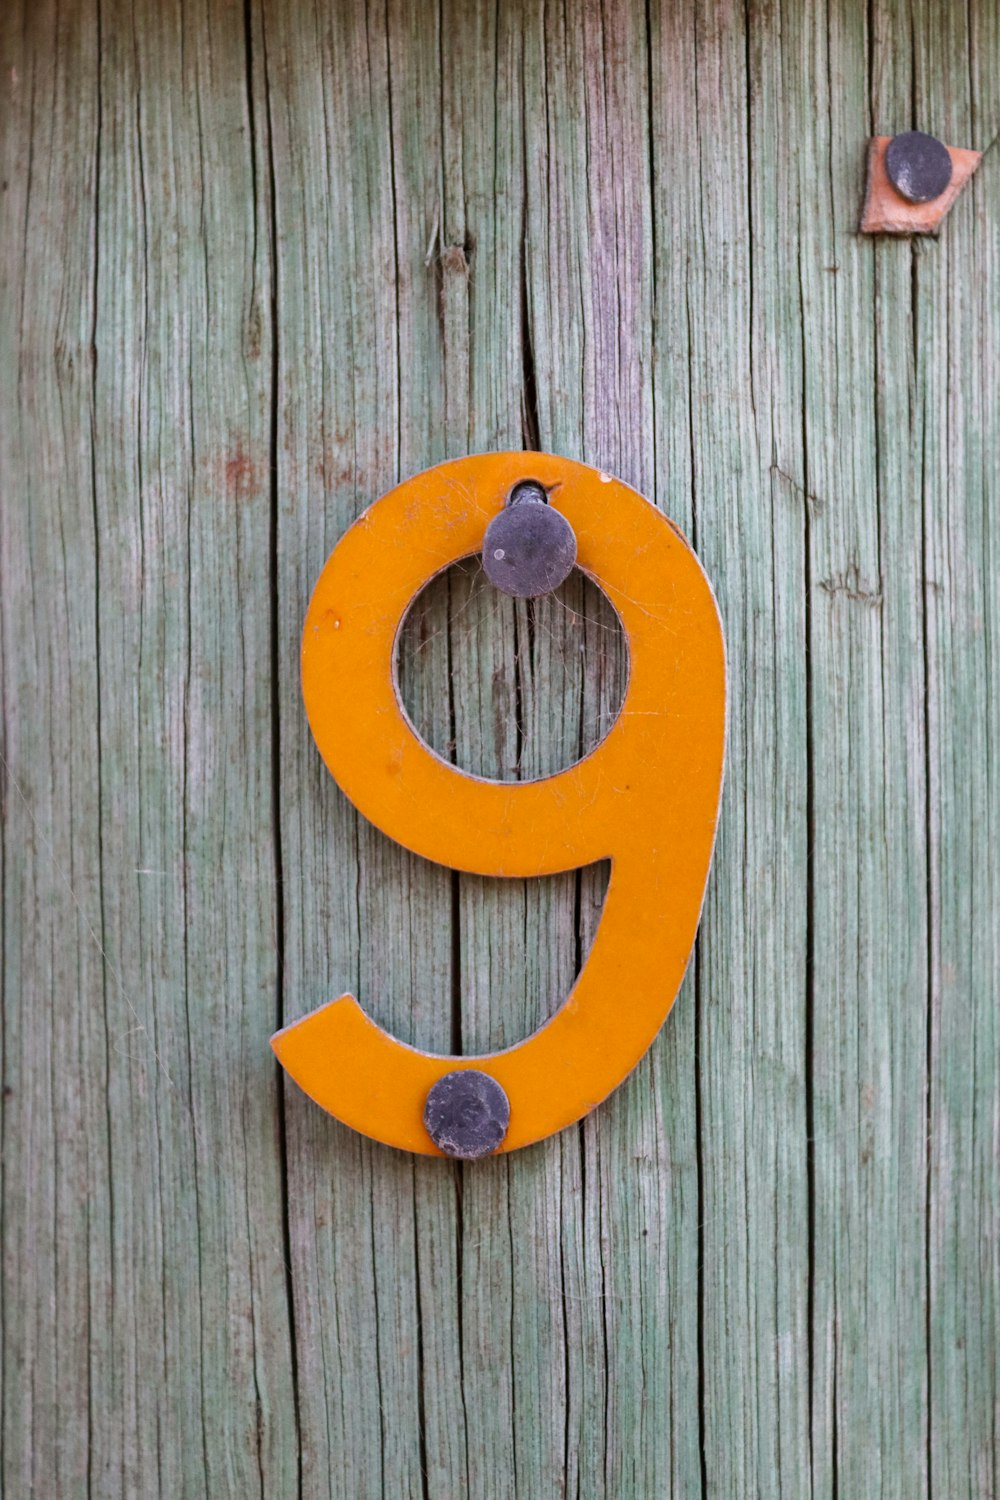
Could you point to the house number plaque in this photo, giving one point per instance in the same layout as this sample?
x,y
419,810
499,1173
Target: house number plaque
x,y
646,798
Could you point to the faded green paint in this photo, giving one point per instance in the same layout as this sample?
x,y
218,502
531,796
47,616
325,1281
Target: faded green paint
x,y
255,265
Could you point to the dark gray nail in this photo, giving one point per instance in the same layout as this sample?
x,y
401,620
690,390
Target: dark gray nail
x,y
530,549
918,166
467,1114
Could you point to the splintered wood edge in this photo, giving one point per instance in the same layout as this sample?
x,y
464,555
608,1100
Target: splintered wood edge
x,y
887,212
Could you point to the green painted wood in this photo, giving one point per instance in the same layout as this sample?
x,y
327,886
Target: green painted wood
x,y
957,318
256,264
869,935
146,1318
733,389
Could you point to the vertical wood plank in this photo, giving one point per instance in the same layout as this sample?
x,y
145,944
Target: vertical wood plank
x,y
868,849
57,1170
183,509
167,1254
732,367
957,325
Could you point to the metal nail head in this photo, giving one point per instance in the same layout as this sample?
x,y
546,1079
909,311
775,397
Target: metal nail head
x,y
467,1114
529,549
918,166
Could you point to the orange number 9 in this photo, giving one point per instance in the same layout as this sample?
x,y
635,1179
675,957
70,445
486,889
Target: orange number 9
x,y
647,797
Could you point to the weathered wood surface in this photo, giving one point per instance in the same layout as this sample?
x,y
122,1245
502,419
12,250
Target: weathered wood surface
x,y
255,265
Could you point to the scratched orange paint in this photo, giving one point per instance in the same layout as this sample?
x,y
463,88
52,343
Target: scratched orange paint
x,y
646,798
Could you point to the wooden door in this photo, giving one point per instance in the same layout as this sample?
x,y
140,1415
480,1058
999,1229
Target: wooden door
x,y
257,264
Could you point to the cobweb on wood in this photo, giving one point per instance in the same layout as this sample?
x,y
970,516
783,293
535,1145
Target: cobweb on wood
x,y
506,688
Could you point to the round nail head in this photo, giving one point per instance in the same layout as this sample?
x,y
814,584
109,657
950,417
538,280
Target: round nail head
x,y
918,166
530,549
467,1114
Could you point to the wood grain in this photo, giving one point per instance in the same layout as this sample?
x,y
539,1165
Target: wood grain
x,y
258,262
